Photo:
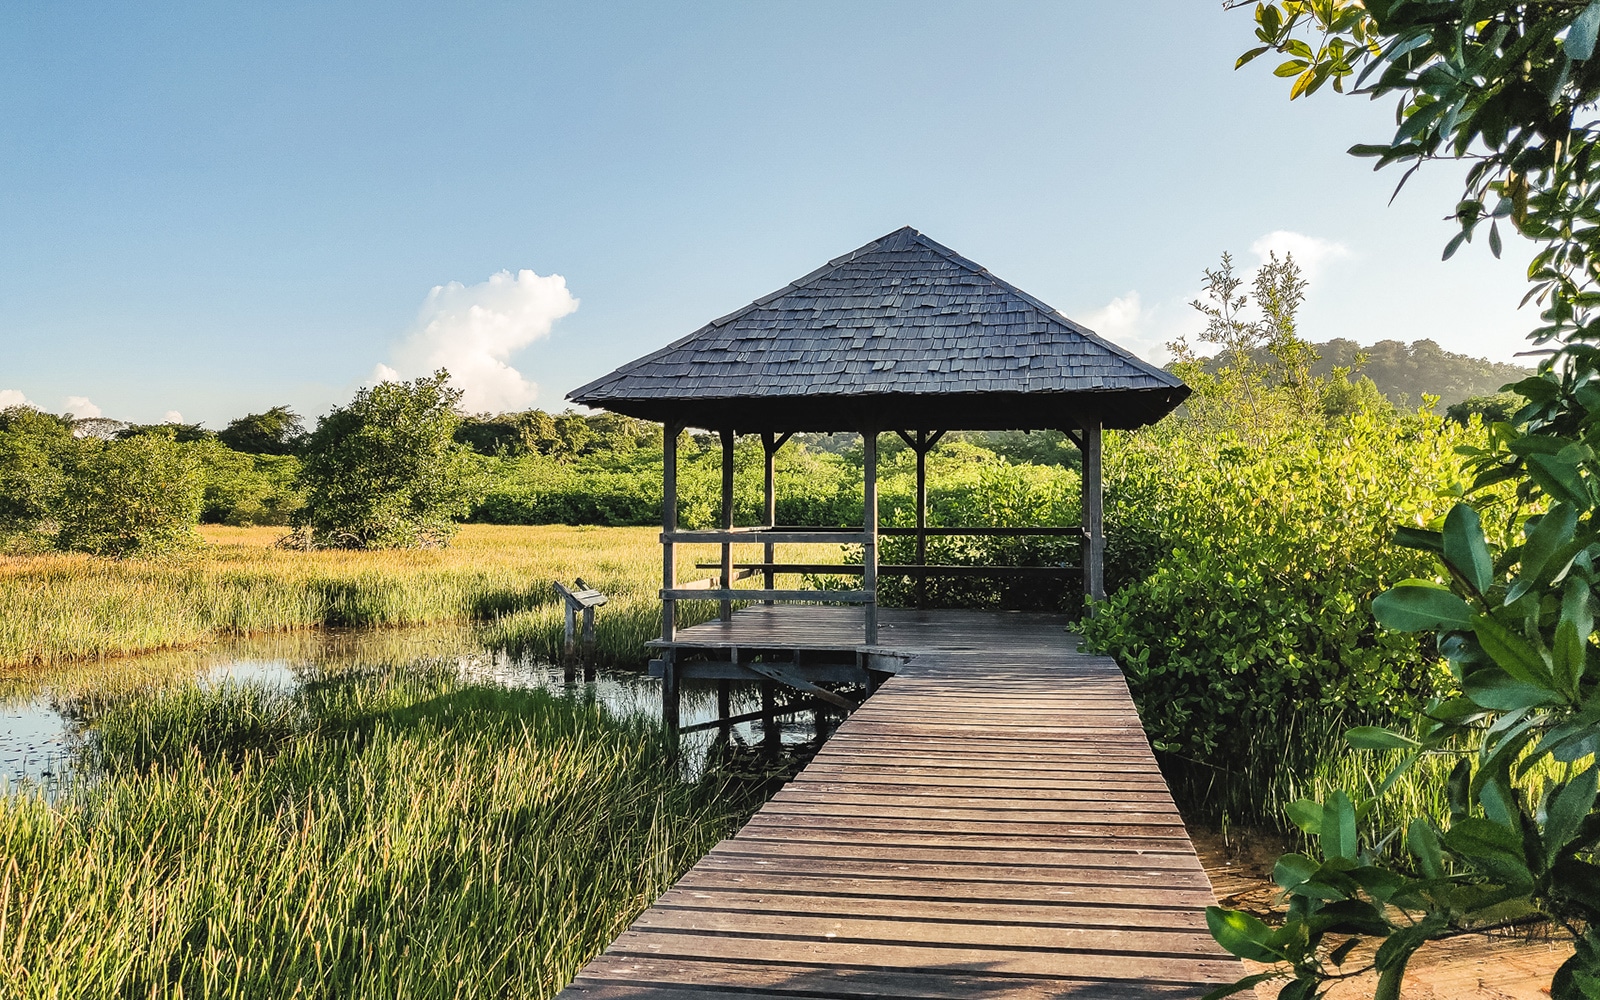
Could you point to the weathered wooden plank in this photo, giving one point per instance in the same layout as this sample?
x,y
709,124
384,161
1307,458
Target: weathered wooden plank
x,y
634,977
1063,914
1017,890
1158,967
968,932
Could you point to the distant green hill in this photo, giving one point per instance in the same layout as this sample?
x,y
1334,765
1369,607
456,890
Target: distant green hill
x,y
1404,373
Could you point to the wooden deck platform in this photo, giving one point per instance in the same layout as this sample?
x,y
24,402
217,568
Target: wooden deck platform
x,y
990,823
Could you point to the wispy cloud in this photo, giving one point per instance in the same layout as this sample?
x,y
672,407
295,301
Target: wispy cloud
x,y
473,330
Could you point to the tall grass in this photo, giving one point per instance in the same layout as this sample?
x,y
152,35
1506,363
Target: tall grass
x,y
377,836
61,608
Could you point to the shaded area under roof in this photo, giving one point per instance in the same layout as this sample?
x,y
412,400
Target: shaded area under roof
x,y
902,333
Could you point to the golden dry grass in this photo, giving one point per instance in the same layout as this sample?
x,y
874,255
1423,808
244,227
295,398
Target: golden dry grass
x,y
65,607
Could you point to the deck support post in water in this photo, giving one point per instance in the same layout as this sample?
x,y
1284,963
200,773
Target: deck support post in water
x,y
869,529
727,518
669,696
724,706
1094,536
769,723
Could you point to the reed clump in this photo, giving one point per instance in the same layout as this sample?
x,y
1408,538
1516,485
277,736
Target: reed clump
x,y
370,836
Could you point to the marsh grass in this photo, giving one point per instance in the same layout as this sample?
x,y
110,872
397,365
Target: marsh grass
x,y
62,608
373,835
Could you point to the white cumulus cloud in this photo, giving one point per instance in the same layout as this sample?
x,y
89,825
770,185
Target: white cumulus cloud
x,y
172,417
1310,252
473,330
80,407
14,397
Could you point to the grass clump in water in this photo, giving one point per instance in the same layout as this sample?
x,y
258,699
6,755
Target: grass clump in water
x,y
402,835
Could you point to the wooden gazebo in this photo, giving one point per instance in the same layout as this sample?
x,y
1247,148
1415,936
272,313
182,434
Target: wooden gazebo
x,y
902,335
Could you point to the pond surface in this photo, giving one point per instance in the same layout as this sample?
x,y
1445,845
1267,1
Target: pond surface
x,y
42,710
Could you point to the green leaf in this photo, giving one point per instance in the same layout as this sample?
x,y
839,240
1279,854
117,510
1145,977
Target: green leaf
x,y
1416,605
1567,810
1581,36
1464,547
1420,538
1377,738
1570,654
1306,814
1339,827
1550,533
1248,56
1241,934
1247,983
1560,478
1497,690
1424,846
1293,869
1511,652
1491,846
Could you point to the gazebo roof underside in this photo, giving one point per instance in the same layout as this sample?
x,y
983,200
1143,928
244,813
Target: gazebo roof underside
x,y
902,333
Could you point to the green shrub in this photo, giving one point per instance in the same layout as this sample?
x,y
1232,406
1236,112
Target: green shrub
x,y
1247,573
133,496
385,472
33,446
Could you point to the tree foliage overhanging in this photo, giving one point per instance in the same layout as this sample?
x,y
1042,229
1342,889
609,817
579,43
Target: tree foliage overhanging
x,y
1507,88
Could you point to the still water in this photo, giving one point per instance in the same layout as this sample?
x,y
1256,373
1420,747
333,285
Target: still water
x,y
42,711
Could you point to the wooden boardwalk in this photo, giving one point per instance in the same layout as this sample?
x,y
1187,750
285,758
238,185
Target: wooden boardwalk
x,y
991,823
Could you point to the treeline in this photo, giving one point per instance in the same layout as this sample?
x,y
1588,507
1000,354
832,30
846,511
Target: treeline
x,y
1403,373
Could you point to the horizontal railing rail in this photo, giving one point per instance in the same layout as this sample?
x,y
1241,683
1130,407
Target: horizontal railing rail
x,y
751,594
896,569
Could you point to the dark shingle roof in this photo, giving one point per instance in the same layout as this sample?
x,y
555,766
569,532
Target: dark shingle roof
x,y
903,332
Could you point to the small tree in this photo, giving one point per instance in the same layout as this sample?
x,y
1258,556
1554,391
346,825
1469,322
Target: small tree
x,y
275,432
385,471
135,496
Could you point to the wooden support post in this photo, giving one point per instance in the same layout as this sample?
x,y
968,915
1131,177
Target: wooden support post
x,y
869,527
669,524
724,703
922,516
569,643
727,518
1094,539
587,643
669,579
770,445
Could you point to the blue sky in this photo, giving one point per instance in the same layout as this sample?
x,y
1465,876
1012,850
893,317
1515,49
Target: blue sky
x,y
212,209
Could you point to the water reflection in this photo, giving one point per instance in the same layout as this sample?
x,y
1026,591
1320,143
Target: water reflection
x,y
42,711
